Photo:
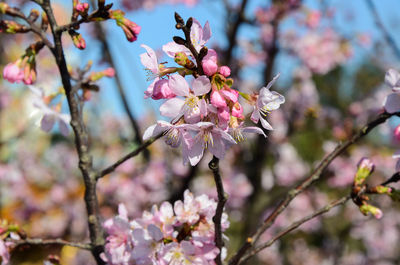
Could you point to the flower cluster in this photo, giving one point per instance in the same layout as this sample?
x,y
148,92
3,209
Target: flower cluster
x,y
206,114
179,234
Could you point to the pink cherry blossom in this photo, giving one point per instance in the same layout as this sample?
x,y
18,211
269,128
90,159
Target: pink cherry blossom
x,y
192,107
266,102
210,137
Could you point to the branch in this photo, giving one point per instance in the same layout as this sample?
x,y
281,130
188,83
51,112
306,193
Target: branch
x,y
293,226
222,198
135,152
314,176
32,26
81,141
379,24
58,241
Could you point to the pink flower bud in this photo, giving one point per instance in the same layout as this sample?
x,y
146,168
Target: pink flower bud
x,y
12,73
161,90
210,67
225,71
109,72
81,7
396,133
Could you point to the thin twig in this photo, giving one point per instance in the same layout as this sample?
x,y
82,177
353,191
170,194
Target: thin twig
x,y
135,152
57,241
293,226
33,27
314,176
222,198
388,38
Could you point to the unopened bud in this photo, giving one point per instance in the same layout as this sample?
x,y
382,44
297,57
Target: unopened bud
x,y
383,190
77,39
12,27
396,133
367,208
203,52
365,168
189,23
179,19
179,40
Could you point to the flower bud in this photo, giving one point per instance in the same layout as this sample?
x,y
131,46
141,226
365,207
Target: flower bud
x,y
225,71
396,133
78,40
12,73
367,208
383,190
365,168
209,67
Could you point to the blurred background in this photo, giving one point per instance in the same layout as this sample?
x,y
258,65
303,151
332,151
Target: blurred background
x,y
332,57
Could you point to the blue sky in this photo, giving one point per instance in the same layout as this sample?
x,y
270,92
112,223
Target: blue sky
x,y
158,27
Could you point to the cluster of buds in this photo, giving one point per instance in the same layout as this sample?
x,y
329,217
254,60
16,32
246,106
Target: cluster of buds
x,y
206,114
130,28
24,69
365,168
179,234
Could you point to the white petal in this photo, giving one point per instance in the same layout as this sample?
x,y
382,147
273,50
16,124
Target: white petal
x,y
392,103
253,130
265,124
172,107
392,78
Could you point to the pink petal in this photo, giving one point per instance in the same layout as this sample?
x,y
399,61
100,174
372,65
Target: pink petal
x,y
201,85
206,32
178,85
217,100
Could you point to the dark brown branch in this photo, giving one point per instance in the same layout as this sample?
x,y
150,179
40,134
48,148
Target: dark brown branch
x,y
135,152
314,176
57,241
293,226
388,38
81,141
222,198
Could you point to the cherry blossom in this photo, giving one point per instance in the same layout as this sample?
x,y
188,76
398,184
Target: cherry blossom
x,y
266,102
